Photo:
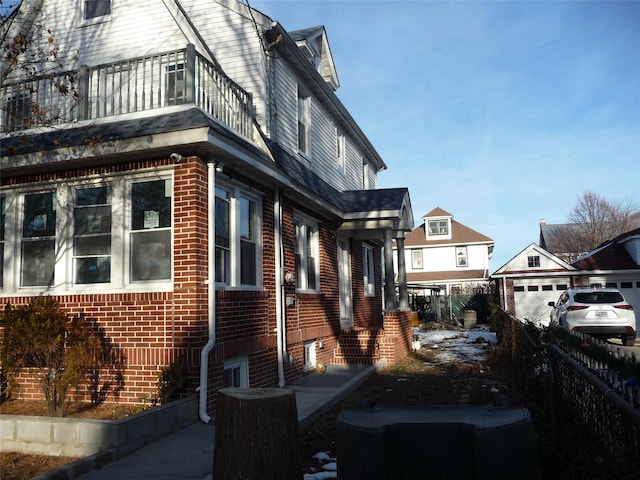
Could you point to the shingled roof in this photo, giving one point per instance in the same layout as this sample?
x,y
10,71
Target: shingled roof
x,y
611,255
459,234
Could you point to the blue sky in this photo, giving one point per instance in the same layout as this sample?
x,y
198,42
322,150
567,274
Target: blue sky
x,y
501,113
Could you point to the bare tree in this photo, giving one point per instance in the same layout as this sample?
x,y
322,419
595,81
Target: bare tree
x,y
592,221
34,88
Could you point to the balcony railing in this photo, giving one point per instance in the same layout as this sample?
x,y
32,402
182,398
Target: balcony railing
x,y
135,85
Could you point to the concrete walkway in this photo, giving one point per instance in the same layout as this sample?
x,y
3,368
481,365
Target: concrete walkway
x,y
188,453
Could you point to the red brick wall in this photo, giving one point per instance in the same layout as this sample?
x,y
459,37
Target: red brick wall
x,y
155,328
151,329
396,343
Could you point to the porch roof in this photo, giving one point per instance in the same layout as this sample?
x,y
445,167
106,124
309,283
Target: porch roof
x,y
373,209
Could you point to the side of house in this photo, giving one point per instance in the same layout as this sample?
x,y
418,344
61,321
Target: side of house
x,y
205,196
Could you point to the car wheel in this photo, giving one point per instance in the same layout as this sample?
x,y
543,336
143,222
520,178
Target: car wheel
x,y
629,341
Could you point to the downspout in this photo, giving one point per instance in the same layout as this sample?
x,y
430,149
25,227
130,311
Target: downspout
x,y
504,292
280,311
206,350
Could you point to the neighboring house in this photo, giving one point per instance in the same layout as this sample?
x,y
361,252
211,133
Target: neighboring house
x,y
529,281
560,240
535,277
446,254
195,188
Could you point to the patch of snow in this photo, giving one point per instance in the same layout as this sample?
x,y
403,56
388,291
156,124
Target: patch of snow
x,y
457,345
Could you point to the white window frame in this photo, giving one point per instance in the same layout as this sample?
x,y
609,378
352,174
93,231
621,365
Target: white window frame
x,y
76,257
340,150
309,355
64,237
24,242
234,252
462,258
303,116
533,261
441,226
368,270
365,174
97,19
307,236
416,259
149,225
239,365
3,209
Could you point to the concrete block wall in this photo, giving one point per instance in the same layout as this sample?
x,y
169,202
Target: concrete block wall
x,y
58,436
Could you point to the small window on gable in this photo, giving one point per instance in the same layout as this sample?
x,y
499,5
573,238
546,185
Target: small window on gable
x,y
533,261
95,10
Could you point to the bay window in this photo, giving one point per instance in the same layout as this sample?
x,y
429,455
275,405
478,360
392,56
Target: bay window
x,y
107,233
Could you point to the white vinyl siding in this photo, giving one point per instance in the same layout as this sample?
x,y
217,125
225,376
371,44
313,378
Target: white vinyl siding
x,y
322,159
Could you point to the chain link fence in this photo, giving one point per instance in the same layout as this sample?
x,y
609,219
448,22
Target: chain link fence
x,y
587,419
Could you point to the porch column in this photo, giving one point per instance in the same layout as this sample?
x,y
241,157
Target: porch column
x,y
402,273
389,277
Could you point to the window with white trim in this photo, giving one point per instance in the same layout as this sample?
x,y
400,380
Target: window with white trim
x,y
416,259
92,234
2,220
533,261
111,232
238,238
304,122
306,254
309,354
340,150
38,242
151,230
438,227
368,270
461,256
236,373
93,10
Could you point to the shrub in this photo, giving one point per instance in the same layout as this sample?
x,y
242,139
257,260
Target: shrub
x,y
40,336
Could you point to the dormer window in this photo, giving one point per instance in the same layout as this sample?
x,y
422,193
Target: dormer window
x,y
438,227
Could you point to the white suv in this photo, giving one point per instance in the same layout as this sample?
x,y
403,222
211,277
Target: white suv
x,y
600,312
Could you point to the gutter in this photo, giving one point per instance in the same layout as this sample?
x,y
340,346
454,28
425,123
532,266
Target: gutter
x,y
206,350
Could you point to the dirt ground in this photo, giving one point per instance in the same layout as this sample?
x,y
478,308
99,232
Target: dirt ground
x,y
20,466
416,381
